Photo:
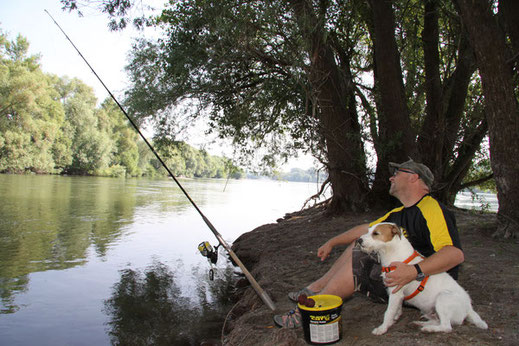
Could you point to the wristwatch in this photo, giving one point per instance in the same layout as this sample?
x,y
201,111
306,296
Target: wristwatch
x,y
420,275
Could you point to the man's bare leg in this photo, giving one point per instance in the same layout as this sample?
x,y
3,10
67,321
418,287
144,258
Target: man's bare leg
x,y
338,280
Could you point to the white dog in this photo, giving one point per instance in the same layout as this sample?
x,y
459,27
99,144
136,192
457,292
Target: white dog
x,y
441,299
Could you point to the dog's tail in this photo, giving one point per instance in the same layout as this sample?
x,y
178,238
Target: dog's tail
x,y
474,318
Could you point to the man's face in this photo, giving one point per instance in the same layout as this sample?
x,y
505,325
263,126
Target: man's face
x,y
399,180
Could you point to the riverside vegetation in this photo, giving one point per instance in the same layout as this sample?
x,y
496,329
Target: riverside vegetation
x,y
52,125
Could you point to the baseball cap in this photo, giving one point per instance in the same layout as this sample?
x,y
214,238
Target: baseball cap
x,y
419,168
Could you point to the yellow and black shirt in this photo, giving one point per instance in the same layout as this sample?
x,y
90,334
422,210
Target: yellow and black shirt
x,y
428,225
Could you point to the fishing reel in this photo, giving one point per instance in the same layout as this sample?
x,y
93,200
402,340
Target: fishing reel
x,y
211,253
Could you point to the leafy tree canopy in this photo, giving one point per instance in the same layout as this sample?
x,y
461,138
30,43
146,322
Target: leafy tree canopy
x,y
247,67
51,124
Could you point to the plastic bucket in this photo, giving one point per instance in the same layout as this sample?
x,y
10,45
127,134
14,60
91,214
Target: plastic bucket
x,y
322,324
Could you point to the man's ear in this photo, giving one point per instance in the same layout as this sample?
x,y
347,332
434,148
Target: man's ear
x,y
414,177
395,230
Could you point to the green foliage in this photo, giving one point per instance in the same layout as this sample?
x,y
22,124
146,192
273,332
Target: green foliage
x,y
30,115
243,64
51,124
184,160
247,68
480,171
247,65
300,175
116,171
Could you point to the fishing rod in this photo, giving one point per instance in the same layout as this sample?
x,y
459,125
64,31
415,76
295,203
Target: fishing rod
x,y
262,294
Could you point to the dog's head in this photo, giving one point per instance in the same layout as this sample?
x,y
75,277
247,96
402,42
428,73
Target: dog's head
x,y
379,236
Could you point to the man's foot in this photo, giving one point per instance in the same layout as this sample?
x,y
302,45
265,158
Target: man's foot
x,y
291,319
293,296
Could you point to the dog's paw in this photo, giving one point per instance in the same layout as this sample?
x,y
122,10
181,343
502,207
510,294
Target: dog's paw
x,y
379,330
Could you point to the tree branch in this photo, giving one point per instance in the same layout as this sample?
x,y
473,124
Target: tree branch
x,y
477,182
318,194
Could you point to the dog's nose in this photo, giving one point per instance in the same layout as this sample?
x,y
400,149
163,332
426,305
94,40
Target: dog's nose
x,y
359,241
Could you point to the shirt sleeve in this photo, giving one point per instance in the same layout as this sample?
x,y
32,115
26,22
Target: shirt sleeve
x,y
385,217
438,228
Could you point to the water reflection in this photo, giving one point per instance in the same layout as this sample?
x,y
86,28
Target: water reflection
x,y
50,223
7,288
148,307
65,240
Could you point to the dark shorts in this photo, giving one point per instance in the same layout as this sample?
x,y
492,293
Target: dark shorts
x,y
367,277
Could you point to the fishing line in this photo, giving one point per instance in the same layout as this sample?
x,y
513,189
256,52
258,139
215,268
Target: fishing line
x,y
262,294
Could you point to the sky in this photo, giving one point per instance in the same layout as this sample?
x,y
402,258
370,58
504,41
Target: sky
x,y
106,51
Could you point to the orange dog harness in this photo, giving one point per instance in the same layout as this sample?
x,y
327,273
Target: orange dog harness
x,y
422,283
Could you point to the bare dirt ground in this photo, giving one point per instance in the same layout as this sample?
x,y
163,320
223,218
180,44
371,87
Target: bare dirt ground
x,y
282,258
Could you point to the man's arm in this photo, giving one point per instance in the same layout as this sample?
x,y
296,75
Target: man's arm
x,y
441,261
342,239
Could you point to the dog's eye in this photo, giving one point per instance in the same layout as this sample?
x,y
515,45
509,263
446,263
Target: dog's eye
x,y
375,233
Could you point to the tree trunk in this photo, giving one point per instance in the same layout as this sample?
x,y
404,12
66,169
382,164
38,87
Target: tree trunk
x,y
502,110
437,141
432,135
445,100
508,10
337,113
395,138
452,183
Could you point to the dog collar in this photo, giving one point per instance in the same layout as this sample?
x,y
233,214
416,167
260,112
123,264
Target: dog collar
x,y
421,287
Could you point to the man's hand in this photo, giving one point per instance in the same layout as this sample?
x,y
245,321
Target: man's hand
x,y
344,238
401,276
441,261
324,251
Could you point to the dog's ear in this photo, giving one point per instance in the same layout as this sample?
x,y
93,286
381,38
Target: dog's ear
x,y
395,230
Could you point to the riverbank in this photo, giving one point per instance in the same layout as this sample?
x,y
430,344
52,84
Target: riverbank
x,y
282,258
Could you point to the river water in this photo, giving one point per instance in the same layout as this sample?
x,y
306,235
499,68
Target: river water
x,y
95,261
99,261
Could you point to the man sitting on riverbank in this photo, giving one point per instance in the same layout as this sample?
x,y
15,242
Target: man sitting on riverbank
x,y
428,225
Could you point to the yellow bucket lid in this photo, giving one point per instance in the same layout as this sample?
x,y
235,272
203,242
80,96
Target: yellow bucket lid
x,y
323,302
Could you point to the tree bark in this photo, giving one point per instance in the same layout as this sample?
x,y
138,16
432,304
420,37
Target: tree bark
x,y
441,130
444,110
338,119
452,182
395,139
502,114
457,157
431,139
455,92
508,10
